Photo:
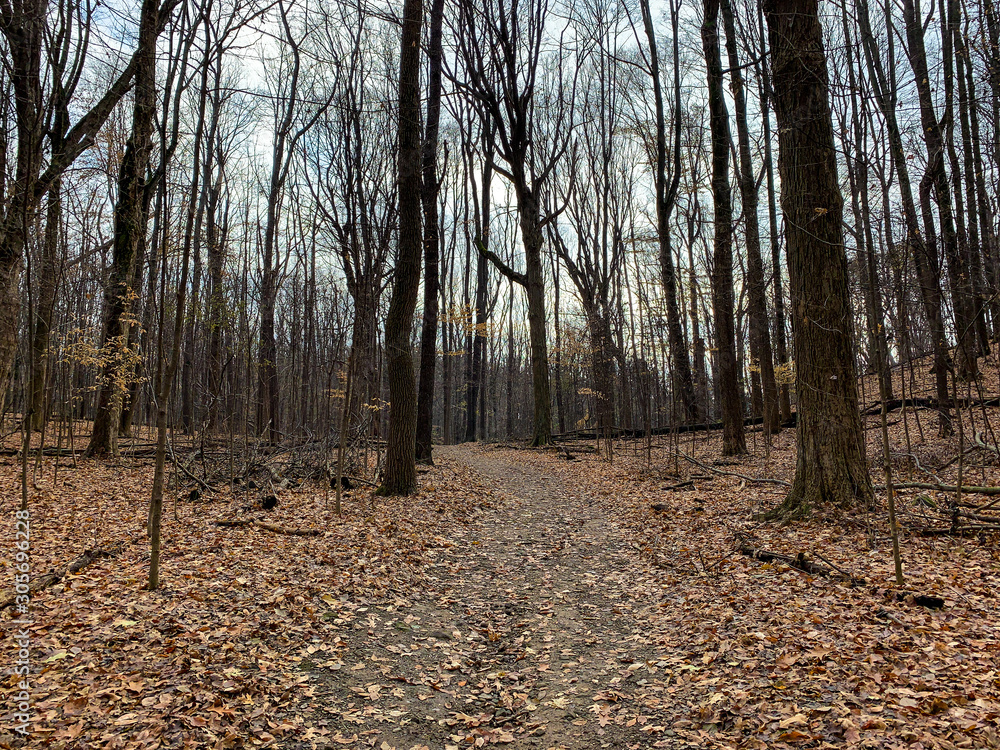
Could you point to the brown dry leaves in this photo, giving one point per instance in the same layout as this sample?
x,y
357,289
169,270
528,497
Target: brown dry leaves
x,y
469,616
210,660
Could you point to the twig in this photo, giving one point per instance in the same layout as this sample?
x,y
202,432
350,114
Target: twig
x,y
760,480
835,566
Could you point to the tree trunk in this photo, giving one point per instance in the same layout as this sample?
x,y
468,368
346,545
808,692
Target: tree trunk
x,y
557,364
48,274
475,388
400,465
531,235
23,31
432,286
216,313
830,465
727,375
781,344
760,335
666,195
130,230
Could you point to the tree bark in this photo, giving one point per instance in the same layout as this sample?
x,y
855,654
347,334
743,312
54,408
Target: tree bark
x,y
130,232
760,336
830,466
429,197
727,375
531,236
400,464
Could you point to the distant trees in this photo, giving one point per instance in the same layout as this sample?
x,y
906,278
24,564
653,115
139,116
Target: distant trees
x,y
500,49
587,155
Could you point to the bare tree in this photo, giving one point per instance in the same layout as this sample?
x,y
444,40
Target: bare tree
x,y
293,118
830,466
666,185
400,456
131,216
883,82
760,336
24,28
429,198
727,375
500,47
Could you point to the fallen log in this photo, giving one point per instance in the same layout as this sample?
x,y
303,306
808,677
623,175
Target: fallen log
x,y
622,432
988,491
799,562
926,403
8,597
272,527
61,452
275,529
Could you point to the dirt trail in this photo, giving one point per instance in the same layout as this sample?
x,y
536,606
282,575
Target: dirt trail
x,y
531,631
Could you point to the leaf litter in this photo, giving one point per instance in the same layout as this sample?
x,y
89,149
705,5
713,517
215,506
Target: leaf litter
x,y
517,600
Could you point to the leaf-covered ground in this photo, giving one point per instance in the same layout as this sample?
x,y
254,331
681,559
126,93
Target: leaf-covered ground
x,y
519,599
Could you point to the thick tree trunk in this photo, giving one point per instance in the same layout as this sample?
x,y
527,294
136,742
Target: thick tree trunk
x,y
531,235
400,465
830,465
727,374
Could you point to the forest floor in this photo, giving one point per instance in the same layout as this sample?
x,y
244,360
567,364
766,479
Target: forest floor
x,y
518,599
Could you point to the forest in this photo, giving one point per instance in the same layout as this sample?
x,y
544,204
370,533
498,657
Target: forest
x,y
554,373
